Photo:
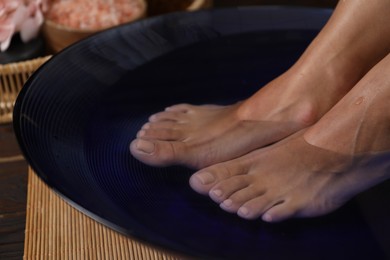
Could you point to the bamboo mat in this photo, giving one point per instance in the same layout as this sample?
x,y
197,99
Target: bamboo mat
x,y
56,230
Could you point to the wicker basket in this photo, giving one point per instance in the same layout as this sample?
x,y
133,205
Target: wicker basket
x,y
12,78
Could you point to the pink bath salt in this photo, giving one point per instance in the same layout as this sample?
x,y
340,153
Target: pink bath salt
x,y
93,14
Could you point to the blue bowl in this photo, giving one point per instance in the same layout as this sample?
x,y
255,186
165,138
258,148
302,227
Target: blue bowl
x,y
76,116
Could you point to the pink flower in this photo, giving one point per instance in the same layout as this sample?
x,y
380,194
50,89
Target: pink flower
x,y
20,16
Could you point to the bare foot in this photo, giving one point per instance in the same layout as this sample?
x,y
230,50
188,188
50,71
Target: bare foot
x,y
198,136
316,170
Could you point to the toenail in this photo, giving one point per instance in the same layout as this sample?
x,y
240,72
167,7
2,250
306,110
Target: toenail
x,y
146,126
228,203
217,193
145,146
267,217
243,211
141,133
205,178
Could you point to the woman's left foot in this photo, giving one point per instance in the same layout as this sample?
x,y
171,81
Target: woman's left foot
x,y
317,170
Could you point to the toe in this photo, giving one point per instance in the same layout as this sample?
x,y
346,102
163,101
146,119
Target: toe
x,y
142,146
225,188
163,125
204,180
163,130
240,197
280,212
163,134
254,208
183,108
157,153
168,116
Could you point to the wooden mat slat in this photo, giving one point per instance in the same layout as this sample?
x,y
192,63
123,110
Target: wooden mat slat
x,y
56,230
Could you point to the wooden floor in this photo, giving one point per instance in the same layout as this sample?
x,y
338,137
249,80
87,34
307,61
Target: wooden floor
x,y
13,168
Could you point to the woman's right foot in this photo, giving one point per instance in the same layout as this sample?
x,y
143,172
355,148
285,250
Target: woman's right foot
x,y
316,170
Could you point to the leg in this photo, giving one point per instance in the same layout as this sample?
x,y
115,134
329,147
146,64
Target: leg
x,y
316,170
199,136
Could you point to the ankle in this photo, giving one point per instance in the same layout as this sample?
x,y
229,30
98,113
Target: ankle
x,y
303,112
306,113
